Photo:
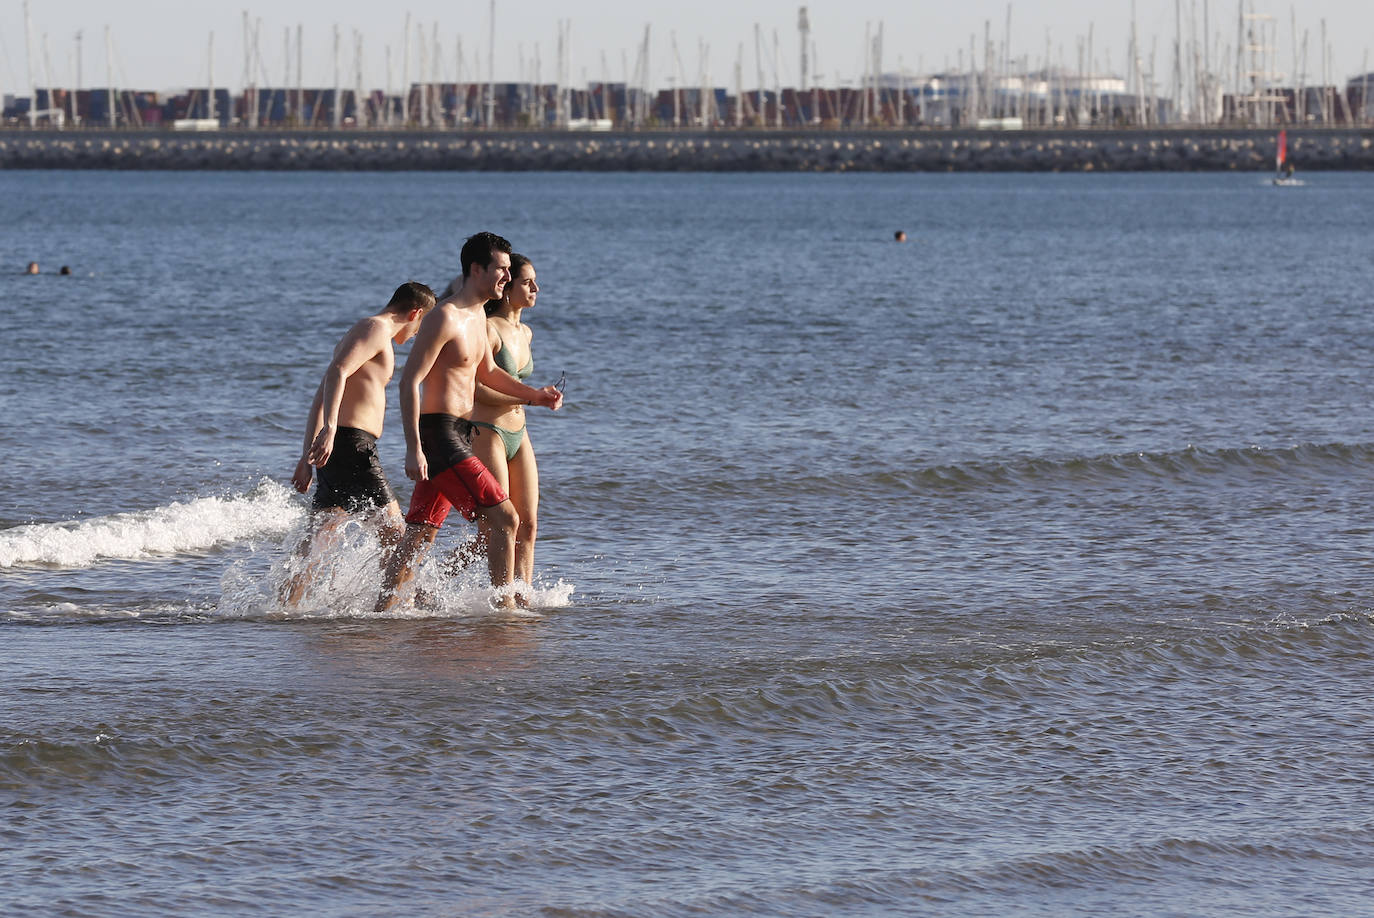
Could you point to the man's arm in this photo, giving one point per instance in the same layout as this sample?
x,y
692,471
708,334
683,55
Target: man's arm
x,y
435,331
363,342
304,471
493,377
489,396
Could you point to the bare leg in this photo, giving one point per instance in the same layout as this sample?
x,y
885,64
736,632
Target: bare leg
x,y
400,566
320,528
496,525
501,523
524,494
294,587
488,447
390,530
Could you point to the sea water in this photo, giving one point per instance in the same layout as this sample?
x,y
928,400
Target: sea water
x,y
1019,568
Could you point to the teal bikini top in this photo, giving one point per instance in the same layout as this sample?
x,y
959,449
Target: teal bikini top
x,y
506,361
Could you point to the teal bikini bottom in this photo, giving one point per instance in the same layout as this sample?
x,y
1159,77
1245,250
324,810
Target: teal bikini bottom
x,y
512,438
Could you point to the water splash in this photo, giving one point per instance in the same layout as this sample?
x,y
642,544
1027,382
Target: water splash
x,y
341,577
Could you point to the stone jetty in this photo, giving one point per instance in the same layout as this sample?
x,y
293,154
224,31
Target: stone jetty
x,y
1181,150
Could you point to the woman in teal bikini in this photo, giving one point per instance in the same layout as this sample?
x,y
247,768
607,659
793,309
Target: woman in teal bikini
x,y
500,440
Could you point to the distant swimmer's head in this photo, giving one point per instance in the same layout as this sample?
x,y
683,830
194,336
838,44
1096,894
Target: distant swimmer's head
x,y
32,268
899,236
520,293
64,270
486,264
411,301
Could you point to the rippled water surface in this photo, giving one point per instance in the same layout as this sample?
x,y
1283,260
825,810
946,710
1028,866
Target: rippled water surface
x,y
1021,568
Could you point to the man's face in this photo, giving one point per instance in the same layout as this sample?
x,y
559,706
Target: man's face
x,y
494,277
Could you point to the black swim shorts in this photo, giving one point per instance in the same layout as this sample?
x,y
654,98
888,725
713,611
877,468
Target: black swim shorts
x,y
352,479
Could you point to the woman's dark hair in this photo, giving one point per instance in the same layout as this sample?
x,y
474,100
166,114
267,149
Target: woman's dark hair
x,y
517,264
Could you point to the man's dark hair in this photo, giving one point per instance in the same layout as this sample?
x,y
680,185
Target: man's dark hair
x,y
411,295
478,250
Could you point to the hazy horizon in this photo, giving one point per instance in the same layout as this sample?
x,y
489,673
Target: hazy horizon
x,y
162,47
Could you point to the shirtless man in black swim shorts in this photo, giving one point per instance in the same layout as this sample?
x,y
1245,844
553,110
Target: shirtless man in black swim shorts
x,y
345,422
450,354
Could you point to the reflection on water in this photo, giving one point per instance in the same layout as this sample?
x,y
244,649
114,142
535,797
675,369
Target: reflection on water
x,y
430,651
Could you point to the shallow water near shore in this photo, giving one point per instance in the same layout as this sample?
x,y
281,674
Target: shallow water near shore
x,y
1021,568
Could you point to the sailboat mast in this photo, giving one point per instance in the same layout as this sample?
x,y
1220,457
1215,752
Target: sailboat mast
x,y
109,76
739,83
868,73
436,59
257,69
28,61
360,118
491,63
758,66
54,113
703,108
334,117
405,74
210,90
1206,62
76,118
422,97
300,78
247,66
777,84
1178,59
677,87
286,75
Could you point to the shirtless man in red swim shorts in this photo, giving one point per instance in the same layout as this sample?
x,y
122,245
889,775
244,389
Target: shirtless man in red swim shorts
x,y
451,353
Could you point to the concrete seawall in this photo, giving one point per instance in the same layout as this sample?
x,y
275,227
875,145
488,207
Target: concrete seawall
x,y
1180,150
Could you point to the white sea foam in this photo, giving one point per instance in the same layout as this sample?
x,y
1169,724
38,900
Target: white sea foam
x,y
267,510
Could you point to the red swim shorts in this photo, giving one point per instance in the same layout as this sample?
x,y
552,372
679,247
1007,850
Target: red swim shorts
x,y
466,485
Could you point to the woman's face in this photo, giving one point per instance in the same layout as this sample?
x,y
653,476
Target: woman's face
x,y
523,288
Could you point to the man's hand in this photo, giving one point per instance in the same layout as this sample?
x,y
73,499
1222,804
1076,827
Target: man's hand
x,y
322,448
417,469
550,398
302,476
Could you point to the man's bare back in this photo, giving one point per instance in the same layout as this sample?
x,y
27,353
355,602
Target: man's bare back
x,y
367,348
353,391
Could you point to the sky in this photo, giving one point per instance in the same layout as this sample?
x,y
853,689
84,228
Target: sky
x,y
164,45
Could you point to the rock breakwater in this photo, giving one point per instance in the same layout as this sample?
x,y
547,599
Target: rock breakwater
x,y
720,151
